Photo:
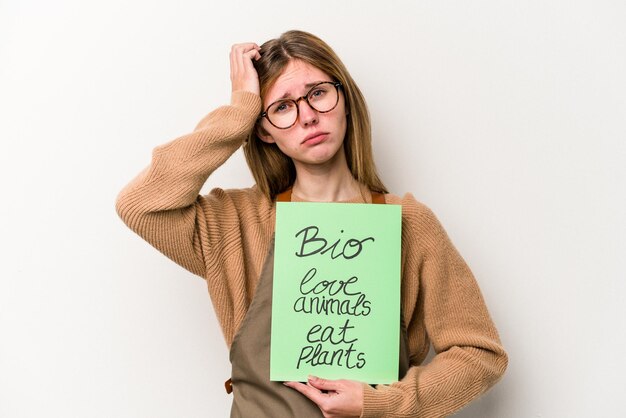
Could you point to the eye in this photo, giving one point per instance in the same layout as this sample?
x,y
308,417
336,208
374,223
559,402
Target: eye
x,y
318,92
282,107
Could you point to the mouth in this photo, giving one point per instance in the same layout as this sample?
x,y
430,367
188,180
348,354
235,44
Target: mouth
x,y
314,138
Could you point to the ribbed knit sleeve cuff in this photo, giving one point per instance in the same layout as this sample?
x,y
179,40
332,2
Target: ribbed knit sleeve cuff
x,y
374,402
248,101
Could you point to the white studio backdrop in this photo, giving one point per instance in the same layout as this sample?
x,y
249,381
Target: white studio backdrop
x,y
506,118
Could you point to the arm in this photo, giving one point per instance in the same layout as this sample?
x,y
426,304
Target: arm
x,y
162,204
451,311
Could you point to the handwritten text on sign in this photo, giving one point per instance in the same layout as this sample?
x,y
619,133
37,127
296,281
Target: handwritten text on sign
x,y
336,292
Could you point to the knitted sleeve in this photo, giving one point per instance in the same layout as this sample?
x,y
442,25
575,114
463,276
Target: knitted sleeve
x,y
449,309
162,203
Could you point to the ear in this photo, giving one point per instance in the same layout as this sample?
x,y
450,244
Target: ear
x,y
263,135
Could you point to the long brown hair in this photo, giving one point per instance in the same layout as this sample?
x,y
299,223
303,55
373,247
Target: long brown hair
x,y
273,171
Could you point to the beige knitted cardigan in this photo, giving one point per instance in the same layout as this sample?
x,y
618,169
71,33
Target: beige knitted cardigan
x,y
224,237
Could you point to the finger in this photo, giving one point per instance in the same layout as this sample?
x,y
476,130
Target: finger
x,y
309,391
237,50
236,65
253,53
245,46
325,384
244,60
247,59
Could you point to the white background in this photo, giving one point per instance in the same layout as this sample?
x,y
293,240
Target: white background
x,y
505,117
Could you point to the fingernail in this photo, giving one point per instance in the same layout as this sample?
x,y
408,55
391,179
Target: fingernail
x,y
311,377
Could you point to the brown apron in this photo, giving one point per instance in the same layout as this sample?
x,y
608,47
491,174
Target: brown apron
x,y
254,395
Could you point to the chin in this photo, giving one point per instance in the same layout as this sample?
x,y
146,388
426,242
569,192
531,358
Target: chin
x,y
328,156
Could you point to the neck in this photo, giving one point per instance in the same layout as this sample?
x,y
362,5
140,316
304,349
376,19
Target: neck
x,y
331,183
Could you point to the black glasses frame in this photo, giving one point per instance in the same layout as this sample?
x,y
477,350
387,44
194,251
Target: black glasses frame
x,y
337,85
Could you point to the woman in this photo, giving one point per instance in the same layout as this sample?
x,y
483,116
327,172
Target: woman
x,y
306,135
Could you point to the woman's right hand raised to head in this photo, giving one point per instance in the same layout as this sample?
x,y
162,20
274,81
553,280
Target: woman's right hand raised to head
x,y
243,76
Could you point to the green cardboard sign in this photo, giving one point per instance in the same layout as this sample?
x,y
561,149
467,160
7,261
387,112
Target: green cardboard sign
x,y
336,292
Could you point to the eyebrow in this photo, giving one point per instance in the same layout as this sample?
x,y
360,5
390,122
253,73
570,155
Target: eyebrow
x,y
308,86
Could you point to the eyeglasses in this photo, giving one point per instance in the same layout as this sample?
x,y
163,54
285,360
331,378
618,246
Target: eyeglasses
x,y
322,97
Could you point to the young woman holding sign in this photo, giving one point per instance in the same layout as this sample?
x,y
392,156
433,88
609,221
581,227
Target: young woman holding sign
x,y
305,130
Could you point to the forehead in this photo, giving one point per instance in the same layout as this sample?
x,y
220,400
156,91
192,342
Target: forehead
x,y
293,81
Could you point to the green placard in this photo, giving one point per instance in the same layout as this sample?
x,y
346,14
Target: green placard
x,y
336,294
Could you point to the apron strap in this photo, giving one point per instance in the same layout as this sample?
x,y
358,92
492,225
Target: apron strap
x,y
378,198
284,196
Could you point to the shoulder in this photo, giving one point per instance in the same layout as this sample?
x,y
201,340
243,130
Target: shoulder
x,y
419,222
413,210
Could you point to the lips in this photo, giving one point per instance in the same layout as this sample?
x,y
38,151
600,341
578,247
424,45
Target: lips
x,y
314,138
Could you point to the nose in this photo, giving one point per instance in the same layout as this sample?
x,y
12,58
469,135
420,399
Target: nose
x,y
308,115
